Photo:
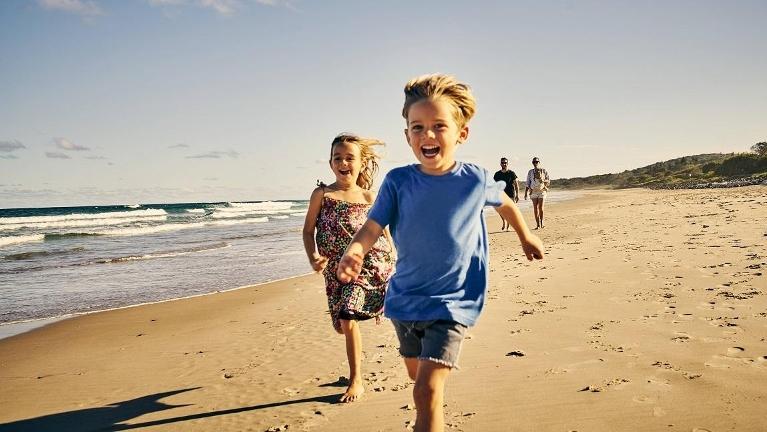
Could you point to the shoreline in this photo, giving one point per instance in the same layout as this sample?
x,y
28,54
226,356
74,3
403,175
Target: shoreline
x,y
13,328
7,329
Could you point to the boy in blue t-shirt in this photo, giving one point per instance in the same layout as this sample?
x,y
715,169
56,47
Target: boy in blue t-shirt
x,y
435,213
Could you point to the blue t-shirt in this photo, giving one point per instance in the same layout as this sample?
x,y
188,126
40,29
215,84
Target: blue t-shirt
x,y
439,230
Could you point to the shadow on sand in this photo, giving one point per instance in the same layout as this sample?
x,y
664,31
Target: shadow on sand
x,y
110,417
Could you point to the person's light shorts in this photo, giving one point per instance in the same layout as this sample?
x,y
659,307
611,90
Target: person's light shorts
x,y
438,341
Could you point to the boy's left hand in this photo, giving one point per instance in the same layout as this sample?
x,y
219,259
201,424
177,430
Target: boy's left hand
x,y
533,247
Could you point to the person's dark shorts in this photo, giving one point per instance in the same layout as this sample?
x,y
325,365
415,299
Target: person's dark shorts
x,y
438,341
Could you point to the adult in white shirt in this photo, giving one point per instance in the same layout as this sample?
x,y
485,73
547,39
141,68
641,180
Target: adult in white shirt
x,y
537,185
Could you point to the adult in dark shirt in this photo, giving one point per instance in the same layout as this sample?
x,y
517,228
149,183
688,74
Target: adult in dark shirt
x,y
512,189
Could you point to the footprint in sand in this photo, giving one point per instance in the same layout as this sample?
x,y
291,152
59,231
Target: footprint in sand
x,y
667,366
734,355
291,391
661,383
643,399
615,383
456,419
556,371
681,337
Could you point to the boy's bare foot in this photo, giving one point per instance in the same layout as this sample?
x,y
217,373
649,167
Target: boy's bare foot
x,y
353,392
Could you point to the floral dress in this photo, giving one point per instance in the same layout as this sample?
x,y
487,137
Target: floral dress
x,y
363,298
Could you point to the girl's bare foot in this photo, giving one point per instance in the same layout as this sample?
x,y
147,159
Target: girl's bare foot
x,y
353,392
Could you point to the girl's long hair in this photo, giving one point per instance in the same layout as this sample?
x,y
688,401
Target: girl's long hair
x,y
367,153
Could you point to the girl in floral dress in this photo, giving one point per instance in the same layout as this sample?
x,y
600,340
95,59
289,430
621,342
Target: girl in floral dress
x,y
336,212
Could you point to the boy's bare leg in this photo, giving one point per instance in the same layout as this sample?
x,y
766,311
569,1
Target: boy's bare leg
x,y
351,331
411,363
429,396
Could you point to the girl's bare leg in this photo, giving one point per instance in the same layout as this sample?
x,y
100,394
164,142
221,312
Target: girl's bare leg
x,y
351,331
429,396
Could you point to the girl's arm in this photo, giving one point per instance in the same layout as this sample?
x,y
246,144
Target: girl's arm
x,y
531,244
350,265
316,260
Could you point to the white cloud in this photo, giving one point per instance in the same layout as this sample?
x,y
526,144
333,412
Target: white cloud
x,y
10,146
8,156
276,3
166,2
224,7
179,146
216,155
67,145
79,7
56,155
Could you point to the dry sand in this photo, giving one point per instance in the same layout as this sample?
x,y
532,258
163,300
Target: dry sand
x,y
649,313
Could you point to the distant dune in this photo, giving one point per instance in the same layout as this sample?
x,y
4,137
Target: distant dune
x,y
703,170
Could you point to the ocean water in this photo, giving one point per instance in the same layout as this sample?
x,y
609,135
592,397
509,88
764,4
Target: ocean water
x,y
55,262
60,261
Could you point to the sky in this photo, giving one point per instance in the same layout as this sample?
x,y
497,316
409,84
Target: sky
x,y
159,101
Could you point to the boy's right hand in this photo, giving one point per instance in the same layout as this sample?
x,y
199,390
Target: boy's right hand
x,y
349,268
533,247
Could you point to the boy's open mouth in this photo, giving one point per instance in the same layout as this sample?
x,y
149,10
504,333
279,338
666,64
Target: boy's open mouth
x,y
430,151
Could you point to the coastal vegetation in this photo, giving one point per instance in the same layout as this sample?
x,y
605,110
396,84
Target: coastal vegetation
x,y
703,170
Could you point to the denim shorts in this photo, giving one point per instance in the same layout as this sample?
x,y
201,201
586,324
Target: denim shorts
x,y
436,340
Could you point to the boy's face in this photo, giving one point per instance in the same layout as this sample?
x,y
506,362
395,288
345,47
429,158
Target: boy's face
x,y
434,135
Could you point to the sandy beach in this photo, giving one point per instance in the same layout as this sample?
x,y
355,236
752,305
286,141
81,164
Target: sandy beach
x,y
649,312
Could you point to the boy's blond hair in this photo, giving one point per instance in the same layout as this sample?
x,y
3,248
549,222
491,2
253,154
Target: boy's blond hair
x,y
435,86
367,154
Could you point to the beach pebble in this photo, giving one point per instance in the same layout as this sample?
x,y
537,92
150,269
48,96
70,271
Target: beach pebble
x,y
515,354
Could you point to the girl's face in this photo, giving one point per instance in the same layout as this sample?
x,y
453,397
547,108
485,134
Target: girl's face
x,y
346,162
